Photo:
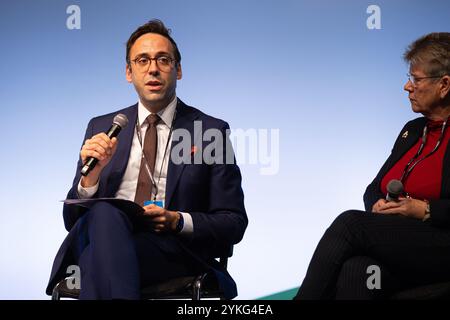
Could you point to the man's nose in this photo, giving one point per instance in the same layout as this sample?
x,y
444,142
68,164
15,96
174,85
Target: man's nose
x,y
153,67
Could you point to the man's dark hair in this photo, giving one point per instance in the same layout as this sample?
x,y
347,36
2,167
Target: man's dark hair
x,y
431,52
153,26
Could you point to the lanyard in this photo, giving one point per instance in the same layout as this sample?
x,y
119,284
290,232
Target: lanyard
x,y
408,169
138,133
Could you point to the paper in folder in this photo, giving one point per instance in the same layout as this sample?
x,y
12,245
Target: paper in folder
x,y
126,206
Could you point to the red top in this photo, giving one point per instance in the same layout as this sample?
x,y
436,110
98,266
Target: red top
x,y
424,181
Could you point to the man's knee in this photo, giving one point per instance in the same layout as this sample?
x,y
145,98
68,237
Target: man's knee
x,y
105,214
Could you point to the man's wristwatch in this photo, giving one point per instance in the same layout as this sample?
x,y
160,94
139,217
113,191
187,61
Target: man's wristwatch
x,y
180,223
427,211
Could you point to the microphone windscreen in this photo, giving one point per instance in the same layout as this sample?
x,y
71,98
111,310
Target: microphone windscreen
x,y
395,187
121,120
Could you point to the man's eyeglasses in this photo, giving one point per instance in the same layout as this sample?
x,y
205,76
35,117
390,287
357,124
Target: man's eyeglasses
x,y
415,80
163,63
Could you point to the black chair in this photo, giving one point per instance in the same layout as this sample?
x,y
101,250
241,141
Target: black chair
x,y
435,291
196,287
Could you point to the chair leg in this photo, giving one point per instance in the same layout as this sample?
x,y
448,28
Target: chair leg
x,y
196,289
55,293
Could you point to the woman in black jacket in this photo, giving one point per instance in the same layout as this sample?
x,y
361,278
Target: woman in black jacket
x,y
401,243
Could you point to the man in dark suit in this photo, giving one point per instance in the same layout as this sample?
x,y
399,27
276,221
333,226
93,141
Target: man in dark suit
x,y
199,210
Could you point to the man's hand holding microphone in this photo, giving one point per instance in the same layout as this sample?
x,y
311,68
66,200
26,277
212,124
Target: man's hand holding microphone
x,y
97,151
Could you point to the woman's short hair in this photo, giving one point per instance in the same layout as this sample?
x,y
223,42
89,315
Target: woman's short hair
x,y
431,53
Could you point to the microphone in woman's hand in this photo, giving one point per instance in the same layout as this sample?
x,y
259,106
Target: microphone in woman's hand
x,y
394,190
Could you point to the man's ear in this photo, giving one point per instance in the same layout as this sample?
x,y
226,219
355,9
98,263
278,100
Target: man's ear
x,y
179,71
128,73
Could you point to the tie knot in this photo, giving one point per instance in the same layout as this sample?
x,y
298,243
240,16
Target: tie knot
x,y
153,119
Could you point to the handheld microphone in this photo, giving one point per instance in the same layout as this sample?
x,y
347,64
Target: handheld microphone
x,y
120,121
394,190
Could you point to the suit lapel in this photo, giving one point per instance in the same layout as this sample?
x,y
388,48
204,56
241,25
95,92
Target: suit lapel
x,y
119,164
407,139
184,120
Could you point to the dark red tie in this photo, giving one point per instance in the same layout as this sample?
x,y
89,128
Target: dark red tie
x,y
144,184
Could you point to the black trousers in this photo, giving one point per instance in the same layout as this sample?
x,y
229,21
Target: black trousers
x,y
407,252
117,259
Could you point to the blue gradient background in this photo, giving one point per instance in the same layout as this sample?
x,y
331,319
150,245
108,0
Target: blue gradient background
x,y
310,68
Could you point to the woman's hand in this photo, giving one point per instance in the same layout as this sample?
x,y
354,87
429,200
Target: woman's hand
x,y
379,205
408,207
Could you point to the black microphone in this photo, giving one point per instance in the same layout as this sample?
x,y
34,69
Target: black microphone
x,y
120,121
394,190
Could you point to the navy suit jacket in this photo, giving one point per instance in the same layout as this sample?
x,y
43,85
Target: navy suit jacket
x,y
210,193
440,208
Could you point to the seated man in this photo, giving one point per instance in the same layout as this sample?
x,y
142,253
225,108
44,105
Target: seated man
x,y
198,206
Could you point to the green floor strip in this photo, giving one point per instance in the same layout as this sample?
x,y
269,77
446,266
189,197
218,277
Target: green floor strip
x,y
283,295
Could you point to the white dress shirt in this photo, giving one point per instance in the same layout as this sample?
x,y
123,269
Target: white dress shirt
x,y
127,188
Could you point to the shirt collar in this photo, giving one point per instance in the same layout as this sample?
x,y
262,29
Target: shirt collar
x,y
166,114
